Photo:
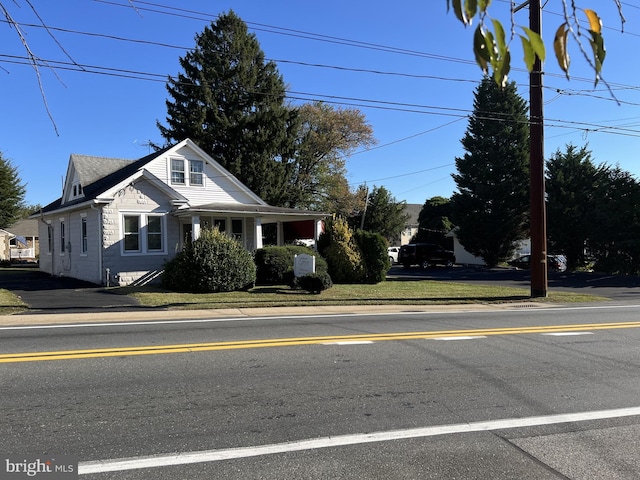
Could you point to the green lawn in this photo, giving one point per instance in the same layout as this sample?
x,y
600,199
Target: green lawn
x,y
9,303
401,292
392,291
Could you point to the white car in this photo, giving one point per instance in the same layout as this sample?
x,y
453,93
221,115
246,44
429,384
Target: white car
x,y
393,254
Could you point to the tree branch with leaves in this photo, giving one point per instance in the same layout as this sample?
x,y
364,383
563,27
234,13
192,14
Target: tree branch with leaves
x,y
491,45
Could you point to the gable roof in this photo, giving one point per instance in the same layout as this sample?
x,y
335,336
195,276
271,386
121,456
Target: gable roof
x,y
101,177
27,227
90,168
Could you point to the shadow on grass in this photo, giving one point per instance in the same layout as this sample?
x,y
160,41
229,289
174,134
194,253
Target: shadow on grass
x,y
319,302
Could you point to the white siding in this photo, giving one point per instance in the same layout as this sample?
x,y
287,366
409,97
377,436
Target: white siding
x,y
217,186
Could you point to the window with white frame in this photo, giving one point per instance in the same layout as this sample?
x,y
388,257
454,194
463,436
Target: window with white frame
x,y
143,233
83,231
196,172
177,171
131,233
154,233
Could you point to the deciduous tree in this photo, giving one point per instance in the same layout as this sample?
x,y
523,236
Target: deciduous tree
x,y
491,43
327,136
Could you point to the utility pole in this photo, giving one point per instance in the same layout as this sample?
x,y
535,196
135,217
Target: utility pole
x,y
539,278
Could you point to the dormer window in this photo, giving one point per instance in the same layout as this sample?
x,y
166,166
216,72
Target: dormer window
x,y
76,190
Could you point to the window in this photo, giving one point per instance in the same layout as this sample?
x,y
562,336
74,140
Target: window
x,y
143,234
177,171
220,224
49,239
154,233
84,235
62,237
236,229
196,167
131,233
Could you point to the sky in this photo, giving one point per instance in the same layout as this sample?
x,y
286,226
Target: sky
x,y
408,66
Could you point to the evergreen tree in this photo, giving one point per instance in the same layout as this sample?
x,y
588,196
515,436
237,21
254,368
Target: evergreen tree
x,y
12,192
571,187
490,208
434,222
383,215
614,240
232,104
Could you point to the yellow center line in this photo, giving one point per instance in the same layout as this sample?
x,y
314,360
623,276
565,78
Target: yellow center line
x,y
296,341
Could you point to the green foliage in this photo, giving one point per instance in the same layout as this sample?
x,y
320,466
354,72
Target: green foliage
x,y
491,206
353,258
231,102
383,214
214,262
315,282
326,136
434,222
12,196
274,265
375,259
615,237
593,213
572,181
491,47
342,253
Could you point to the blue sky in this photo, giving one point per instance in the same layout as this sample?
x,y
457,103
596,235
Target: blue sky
x,y
408,66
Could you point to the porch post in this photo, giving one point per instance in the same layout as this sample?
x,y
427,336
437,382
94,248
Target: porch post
x,y
195,227
257,233
279,233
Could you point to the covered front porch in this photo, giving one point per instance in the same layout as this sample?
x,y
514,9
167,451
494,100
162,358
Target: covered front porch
x,y
247,224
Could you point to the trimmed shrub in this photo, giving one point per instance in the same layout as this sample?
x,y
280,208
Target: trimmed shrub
x,y
342,253
315,282
212,263
375,259
274,265
353,258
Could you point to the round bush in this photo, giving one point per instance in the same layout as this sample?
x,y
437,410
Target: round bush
x,y
315,282
274,265
212,263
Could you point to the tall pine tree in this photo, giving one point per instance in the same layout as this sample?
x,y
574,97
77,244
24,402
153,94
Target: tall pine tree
x,y
231,102
12,192
572,185
491,206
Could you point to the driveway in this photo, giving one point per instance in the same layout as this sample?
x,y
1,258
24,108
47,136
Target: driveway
x,y
46,294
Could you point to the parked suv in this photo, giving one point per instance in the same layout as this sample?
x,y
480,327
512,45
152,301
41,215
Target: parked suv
x,y
393,254
425,255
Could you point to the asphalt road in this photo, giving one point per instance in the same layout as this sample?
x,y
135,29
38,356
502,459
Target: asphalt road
x,y
46,294
357,405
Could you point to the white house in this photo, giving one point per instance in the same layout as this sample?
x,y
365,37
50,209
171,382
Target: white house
x,y
463,257
119,221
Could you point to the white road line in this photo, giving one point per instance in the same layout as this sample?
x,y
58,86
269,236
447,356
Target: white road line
x,y
460,338
116,465
566,334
